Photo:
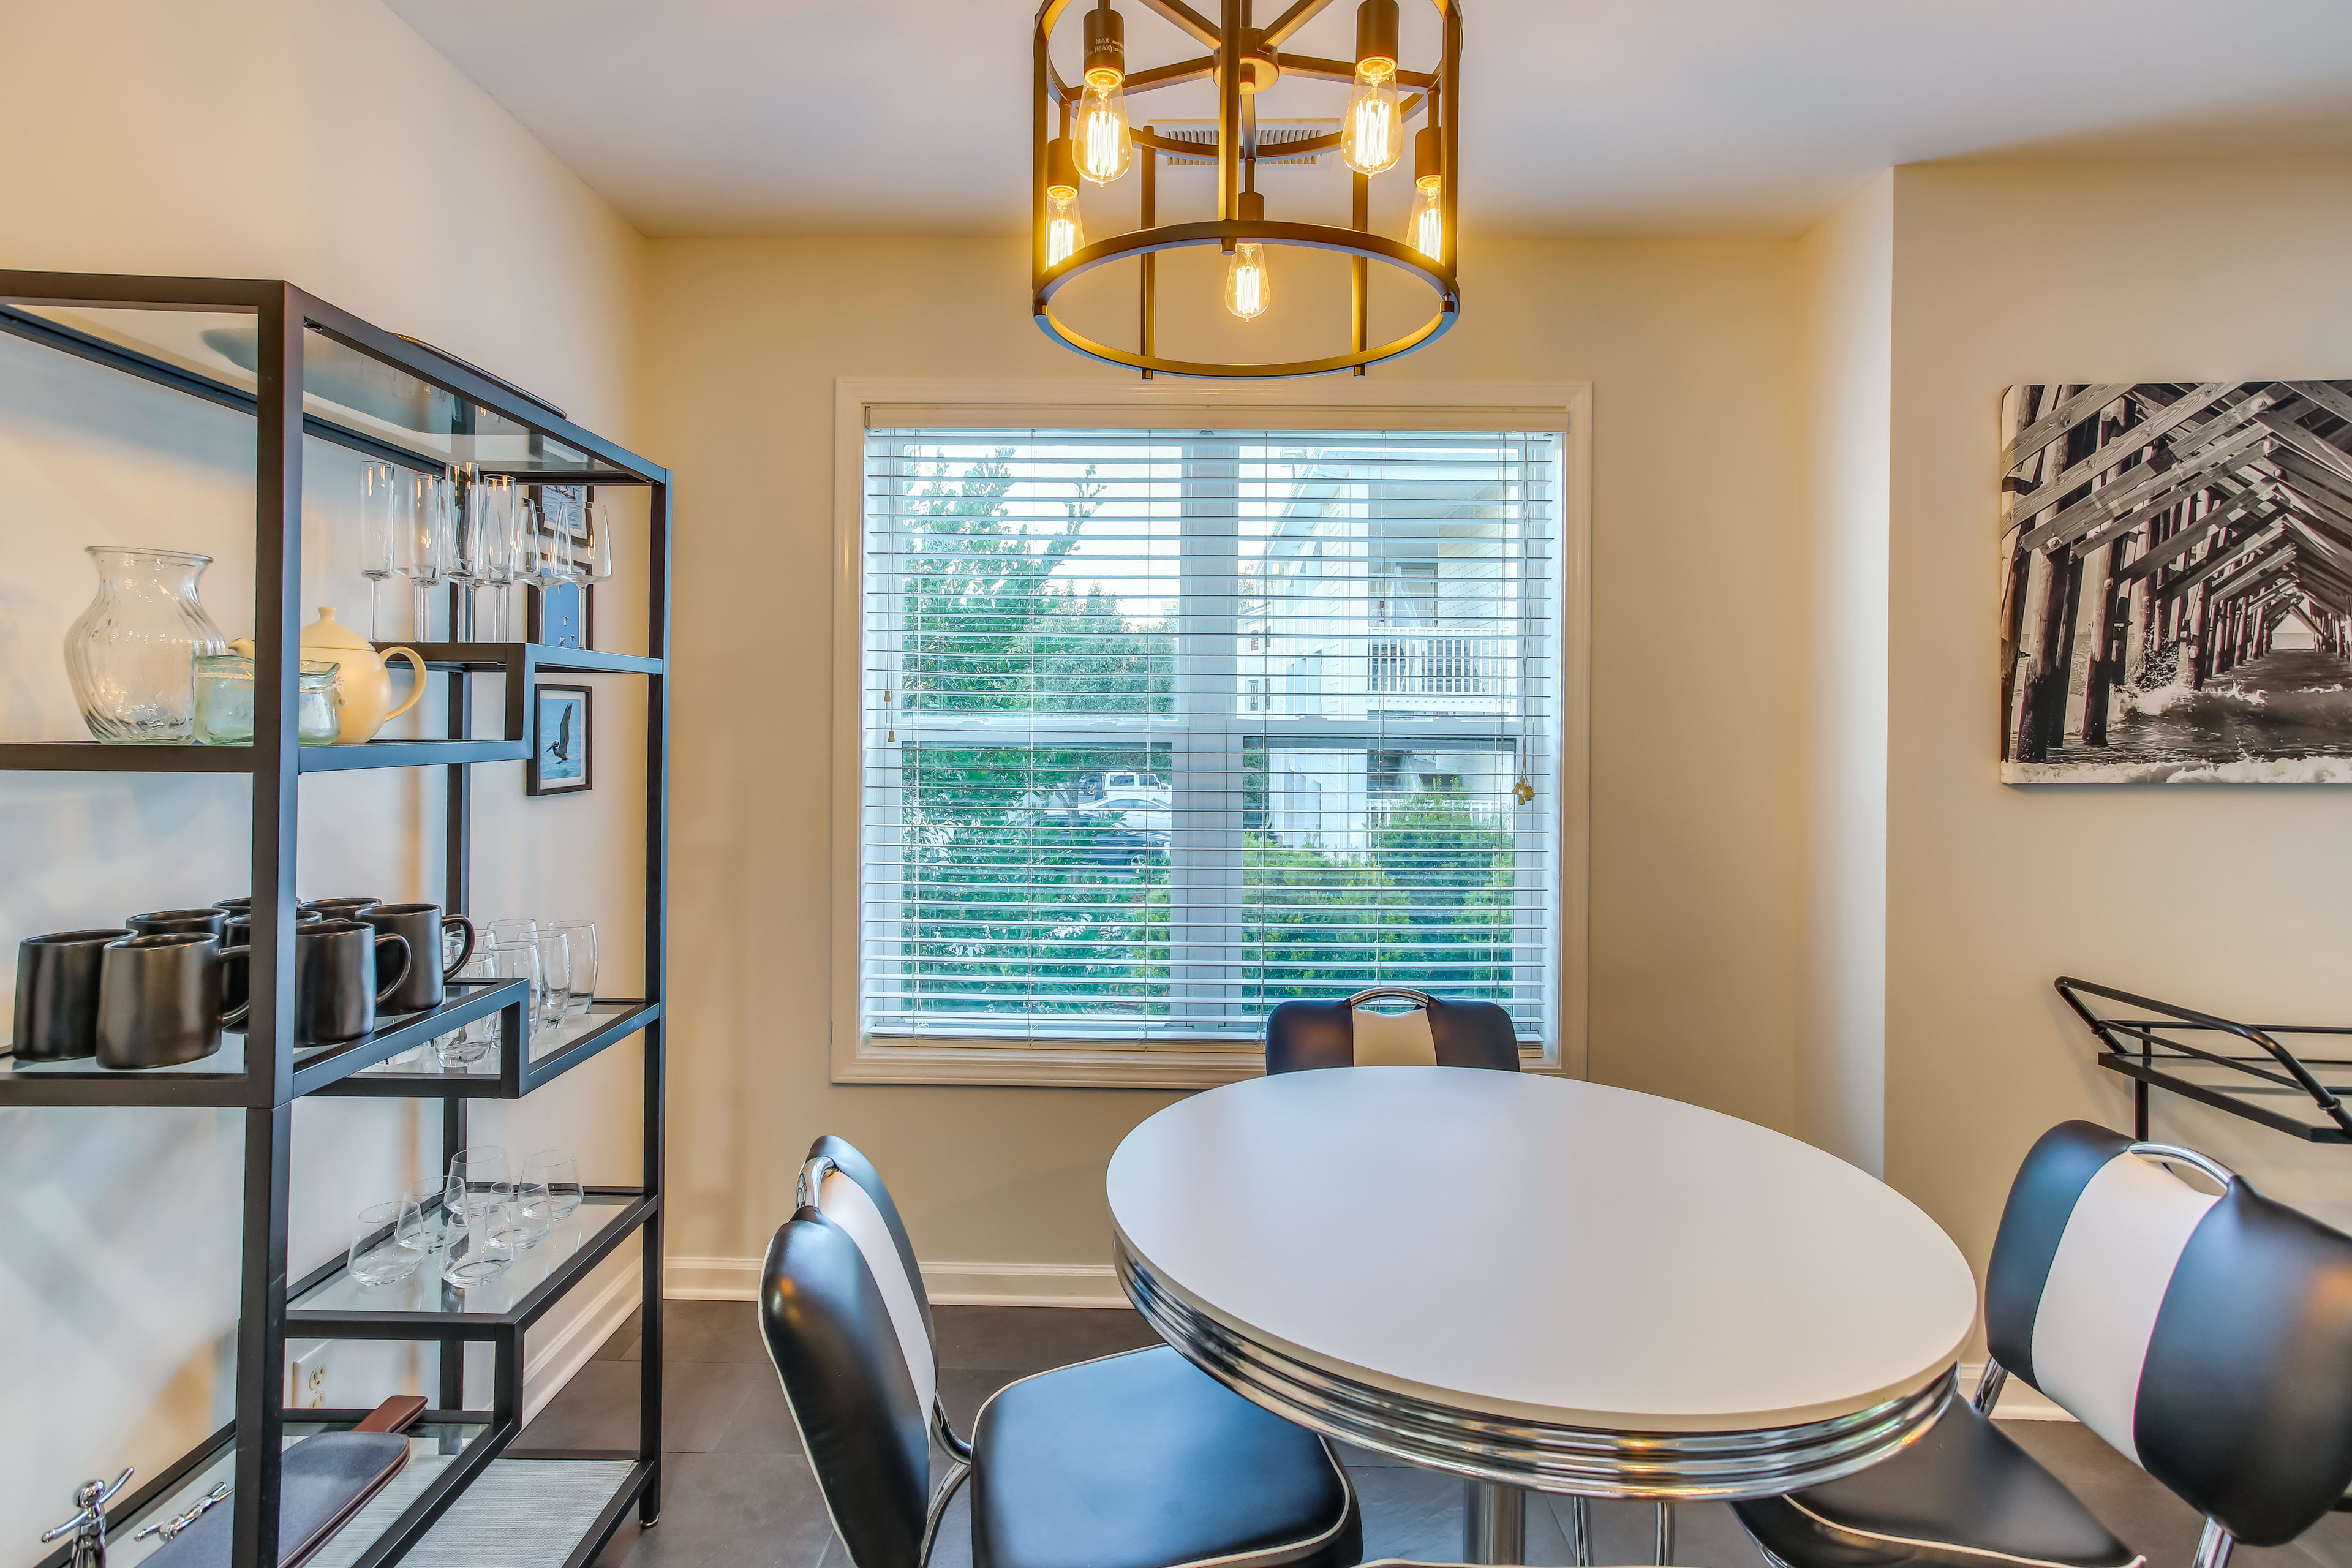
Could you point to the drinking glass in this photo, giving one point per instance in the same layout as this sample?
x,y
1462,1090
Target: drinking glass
x,y
593,559
554,977
382,485
479,1205
514,928
582,935
420,550
382,1243
517,958
557,1170
422,1193
472,1042
534,1214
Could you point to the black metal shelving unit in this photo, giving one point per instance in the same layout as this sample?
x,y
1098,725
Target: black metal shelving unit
x,y
300,367
2190,1053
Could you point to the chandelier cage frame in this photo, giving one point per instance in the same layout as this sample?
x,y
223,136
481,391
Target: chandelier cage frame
x,y
1244,61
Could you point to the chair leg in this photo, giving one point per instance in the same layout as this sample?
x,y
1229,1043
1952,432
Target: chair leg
x,y
2214,1546
1665,1545
1579,1531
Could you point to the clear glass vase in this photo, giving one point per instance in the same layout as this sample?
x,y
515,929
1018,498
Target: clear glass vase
x,y
132,655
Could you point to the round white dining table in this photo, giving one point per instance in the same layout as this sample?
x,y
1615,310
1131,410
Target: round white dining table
x,y
1534,1282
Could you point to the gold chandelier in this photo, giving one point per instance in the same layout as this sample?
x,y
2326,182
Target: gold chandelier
x,y
1083,135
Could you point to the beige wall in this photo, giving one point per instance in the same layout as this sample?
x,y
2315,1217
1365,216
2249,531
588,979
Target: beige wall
x,y
1849,270
1693,353
2233,900
320,141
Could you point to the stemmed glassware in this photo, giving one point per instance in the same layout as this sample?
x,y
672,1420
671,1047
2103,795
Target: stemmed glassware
x,y
483,538
547,553
385,494
421,546
594,559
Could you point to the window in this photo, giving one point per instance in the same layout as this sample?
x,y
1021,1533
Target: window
x,y
1161,728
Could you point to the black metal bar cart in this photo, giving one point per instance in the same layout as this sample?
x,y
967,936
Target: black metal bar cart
x,y
292,362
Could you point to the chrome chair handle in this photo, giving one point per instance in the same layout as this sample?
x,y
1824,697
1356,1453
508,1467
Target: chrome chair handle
x,y
1392,992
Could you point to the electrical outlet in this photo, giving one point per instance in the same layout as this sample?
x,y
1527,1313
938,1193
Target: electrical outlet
x,y
306,1376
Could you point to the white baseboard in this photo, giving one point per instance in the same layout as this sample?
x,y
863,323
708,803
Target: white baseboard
x,y
947,1284
545,1373
2019,1401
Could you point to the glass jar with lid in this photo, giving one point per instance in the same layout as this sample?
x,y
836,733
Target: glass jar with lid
x,y
224,699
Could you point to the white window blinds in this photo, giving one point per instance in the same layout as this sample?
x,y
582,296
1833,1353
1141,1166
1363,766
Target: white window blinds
x,y
1164,727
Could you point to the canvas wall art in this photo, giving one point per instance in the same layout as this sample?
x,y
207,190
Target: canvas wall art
x,y
2177,583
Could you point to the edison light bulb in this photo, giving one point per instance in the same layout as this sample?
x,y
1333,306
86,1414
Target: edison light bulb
x,y
1106,145
1064,237
1425,230
1373,139
1248,290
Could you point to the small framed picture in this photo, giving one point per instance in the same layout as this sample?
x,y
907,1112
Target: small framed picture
x,y
563,509
561,746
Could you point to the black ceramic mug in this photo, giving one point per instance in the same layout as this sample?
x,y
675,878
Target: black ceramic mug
x,y
164,922
341,909
335,988
237,931
422,926
57,994
160,998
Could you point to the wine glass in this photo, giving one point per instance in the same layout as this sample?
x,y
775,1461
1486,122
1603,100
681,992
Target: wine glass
x,y
479,543
421,548
381,511
593,560
547,552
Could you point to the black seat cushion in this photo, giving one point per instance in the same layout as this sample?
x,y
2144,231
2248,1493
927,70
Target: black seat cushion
x,y
1963,1496
1144,1461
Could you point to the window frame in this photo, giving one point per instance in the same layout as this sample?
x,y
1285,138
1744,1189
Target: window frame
x,y
1350,404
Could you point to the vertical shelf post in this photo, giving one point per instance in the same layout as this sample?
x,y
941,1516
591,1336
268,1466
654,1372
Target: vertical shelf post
x,y
656,986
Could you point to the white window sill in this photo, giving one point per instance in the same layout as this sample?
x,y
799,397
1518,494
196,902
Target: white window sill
x,y
1102,1064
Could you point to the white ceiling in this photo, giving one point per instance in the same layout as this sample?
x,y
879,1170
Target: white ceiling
x,y
1582,116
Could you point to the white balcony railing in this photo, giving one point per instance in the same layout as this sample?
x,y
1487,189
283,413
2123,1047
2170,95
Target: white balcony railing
x,y
1439,664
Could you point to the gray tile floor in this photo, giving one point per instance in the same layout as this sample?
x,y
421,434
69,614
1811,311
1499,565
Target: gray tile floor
x,y
738,1495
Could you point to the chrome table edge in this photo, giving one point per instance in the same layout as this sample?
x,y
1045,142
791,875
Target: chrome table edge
x,y
1586,1461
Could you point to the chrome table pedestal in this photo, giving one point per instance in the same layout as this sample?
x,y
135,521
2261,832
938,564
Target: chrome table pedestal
x,y
1493,1523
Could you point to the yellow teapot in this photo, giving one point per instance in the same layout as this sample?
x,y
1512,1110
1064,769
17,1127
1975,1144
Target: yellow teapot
x,y
367,684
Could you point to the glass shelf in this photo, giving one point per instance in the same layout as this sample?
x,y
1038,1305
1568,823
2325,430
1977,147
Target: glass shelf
x,y
418,1307
220,1078
342,387
519,1513
91,757
553,1052
435,1444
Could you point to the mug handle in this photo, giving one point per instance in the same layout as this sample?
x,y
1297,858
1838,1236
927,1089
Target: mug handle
x,y
236,1014
406,958
459,961
414,663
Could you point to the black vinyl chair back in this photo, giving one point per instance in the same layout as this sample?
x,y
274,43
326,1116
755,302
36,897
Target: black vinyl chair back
x,y
1437,1033
2207,1338
848,1326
